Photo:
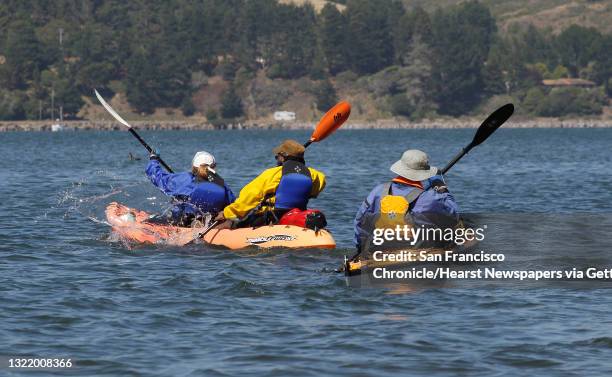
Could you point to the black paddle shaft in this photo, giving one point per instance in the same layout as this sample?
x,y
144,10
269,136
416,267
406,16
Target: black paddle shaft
x,y
458,157
486,129
144,144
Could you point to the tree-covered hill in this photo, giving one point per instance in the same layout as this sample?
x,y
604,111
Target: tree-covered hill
x,y
247,58
545,14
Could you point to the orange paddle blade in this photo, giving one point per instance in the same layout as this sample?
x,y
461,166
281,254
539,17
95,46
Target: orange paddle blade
x,y
331,121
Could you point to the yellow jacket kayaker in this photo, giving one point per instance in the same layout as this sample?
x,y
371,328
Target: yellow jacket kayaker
x,y
276,190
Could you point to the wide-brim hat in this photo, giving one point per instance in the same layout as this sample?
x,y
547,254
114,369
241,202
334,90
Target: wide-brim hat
x,y
290,148
414,165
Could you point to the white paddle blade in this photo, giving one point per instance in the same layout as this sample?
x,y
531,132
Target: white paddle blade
x,y
111,111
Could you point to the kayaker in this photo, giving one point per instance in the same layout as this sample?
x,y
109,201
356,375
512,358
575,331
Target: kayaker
x,y
195,194
417,196
276,190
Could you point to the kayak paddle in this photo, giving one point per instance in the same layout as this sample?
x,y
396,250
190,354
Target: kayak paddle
x,y
204,232
331,121
486,129
132,131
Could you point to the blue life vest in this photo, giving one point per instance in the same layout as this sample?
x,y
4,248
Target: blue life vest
x,y
207,197
295,186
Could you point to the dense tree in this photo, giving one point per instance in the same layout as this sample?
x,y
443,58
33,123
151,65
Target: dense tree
x,y
414,22
156,78
325,95
231,104
532,101
395,15
412,62
23,54
293,43
255,40
566,101
576,46
417,78
67,98
11,105
534,46
333,36
458,72
494,75
94,65
603,63
370,44
317,69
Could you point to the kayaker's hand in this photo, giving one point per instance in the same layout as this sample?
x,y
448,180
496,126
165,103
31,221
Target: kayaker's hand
x,y
220,217
441,189
227,224
154,156
437,183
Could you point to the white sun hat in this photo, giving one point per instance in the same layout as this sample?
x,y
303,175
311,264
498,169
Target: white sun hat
x,y
414,165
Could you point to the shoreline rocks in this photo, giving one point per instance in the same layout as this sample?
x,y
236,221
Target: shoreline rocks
x,y
84,125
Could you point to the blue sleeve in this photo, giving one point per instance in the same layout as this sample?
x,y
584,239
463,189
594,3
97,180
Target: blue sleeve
x,y
434,208
229,195
428,182
160,178
436,202
368,206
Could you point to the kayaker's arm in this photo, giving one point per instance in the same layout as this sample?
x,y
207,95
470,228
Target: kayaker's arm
x,y
368,206
229,195
435,203
253,194
159,177
318,182
171,184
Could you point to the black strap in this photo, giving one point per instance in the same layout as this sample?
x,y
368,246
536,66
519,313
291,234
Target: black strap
x,y
212,178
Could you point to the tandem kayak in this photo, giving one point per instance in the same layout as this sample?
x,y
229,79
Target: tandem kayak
x,y
132,224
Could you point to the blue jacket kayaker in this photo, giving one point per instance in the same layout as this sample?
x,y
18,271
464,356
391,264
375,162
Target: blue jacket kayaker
x,y
195,194
417,196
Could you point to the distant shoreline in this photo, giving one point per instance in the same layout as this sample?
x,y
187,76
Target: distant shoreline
x,y
84,125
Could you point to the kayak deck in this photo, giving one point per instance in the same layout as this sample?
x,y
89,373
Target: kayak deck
x,y
132,224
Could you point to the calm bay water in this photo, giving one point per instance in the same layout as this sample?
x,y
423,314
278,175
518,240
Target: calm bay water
x,y
69,289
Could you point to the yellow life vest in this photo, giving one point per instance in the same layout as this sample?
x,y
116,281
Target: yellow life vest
x,y
394,208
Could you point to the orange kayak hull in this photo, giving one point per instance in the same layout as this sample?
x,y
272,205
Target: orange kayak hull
x,y
132,225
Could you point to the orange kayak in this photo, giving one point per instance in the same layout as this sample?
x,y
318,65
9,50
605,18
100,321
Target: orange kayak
x,y
132,224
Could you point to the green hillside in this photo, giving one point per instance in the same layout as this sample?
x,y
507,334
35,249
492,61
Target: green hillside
x,y
554,14
228,60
